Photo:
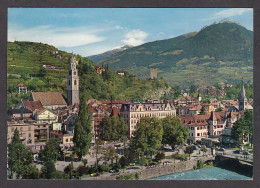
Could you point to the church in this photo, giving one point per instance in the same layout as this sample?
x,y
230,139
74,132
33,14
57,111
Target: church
x,y
242,102
73,82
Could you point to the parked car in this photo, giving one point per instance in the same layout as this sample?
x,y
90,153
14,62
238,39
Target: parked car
x,y
237,151
221,149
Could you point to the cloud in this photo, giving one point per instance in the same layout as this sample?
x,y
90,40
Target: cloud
x,y
135,37
229,13
59,37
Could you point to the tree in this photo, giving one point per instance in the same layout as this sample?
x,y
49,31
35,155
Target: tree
x,y
48,170
159,156
202,110
71,171
177,92
219,109
110,155
82,133
243,128
193,89
85,162
204,149
189,150
174,133
123,161
42,72
114,128
30,172
148,136
99,150
51,151
19,157
124,140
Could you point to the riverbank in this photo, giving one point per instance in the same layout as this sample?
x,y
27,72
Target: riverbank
x,y
156,171
234,165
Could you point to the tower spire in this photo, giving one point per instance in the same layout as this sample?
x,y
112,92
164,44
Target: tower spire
x,y
243,92
242,98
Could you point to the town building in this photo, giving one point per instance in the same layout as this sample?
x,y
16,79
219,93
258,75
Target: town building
x,y
21,113
31,105
41,133
49,67
65,138
121,72
56,126
26,131
73,83
153,73
50,100
54,52
22,88
99,69
133,112
187,101
46,116
204,126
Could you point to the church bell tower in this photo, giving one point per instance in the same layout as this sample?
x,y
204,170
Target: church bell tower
x,y
73,83
242,99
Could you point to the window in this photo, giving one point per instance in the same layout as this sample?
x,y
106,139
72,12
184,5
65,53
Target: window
x,y
29,134
198,134
71,139
67,140
75,82
75,73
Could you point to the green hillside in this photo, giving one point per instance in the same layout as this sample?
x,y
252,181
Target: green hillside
x,y
221,52
24,65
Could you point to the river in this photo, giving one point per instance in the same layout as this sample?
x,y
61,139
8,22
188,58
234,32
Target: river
x,y
212,173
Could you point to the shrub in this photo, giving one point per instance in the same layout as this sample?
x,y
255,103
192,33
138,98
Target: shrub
x,y
125,177
82,170
104,168
123,161
159,156
137,176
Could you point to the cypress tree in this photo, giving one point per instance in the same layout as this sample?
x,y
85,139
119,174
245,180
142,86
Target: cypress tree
x,y
18,155
82,133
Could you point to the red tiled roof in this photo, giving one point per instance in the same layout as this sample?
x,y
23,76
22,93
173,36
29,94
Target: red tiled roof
x,y
55,132
42,110
120,71
116,101
198,107
98,67
21,85
49,98
195,119
32,105
115,112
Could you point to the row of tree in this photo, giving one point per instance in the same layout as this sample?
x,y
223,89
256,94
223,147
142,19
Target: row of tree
x,y
151,133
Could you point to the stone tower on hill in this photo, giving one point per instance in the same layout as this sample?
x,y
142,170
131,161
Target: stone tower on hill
x,y
153,73
73,83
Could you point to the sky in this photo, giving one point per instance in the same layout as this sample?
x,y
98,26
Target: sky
x,y
90,31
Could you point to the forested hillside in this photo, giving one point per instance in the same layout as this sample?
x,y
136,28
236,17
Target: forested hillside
x,y
25,65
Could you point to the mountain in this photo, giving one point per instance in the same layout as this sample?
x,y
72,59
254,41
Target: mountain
x,y
221,52
98,57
